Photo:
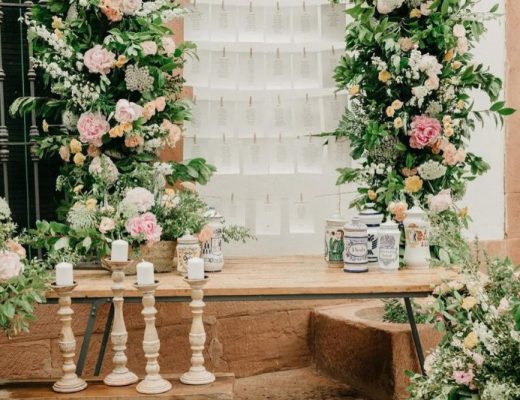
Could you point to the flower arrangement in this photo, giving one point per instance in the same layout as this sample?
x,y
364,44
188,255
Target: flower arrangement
x,y
409,72
480,354
22,281
112,67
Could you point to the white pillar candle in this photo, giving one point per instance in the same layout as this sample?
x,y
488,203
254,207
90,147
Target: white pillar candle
x,y
145,273
64,275
195,268
119,250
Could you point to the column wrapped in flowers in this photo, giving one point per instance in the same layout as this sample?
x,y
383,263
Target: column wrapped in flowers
x,y
410,72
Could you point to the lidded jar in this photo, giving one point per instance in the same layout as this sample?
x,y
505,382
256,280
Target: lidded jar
x,y
212,249
389,237
372,219
334,244
187,247
417,246
355,255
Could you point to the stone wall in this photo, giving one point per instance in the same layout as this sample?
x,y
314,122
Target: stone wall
x,y
246,338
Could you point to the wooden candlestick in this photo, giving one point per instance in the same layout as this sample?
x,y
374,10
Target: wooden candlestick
x,y
69,382
120,375
152,383
197,375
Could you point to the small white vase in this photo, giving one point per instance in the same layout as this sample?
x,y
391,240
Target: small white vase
x,y
417,247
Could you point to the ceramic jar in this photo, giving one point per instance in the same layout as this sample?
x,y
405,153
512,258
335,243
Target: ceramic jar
x,y
355,255
187,247
389,237
372,219
334,244
417,246
212,249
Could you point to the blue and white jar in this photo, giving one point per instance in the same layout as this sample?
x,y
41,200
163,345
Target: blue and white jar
x,y
212,249
355,255
372,219
389,238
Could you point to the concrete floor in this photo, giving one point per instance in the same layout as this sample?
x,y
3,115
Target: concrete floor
x,y
298,384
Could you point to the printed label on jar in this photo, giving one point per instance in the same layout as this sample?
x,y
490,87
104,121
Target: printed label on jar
x,y
356,250
416,236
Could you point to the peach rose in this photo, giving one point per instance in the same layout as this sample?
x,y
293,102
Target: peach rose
x,y
17,248
160,103
10,265
134,141
205,234
64,153
149,110
174,132
398,209
93,151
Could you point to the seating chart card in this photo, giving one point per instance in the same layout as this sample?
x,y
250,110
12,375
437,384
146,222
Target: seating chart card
x,y
278,24
251,23
223,23
305,23
301,218
268,217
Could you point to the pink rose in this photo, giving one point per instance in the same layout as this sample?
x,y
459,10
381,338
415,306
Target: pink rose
x,y
168,45
174,132
205,234
99,60
17,248
127,112
112,10
463,377
149,47
160,103
398,209
441,201
146,226
92,127
425,131
130,7
10,265
452,155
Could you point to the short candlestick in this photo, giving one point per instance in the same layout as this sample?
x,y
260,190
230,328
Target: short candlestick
x,y
197,375
120,375
69,382
152,383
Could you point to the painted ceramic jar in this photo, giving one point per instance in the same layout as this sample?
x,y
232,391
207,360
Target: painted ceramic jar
x,y
212,249
417,246
187,247
355,254
389,237
372,219
334,243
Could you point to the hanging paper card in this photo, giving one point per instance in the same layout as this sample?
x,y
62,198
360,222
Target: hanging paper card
x,y
226,157
199,119
268,218
329,61
300,218
307,116
250,118
279,118
251,24
310,156
235,212
223,23
278,70
333,22
192,148
222,116
223,69
254,157
339,153
252,69
277,24
196,69
196,23
305,23
305,70
333,109
282,159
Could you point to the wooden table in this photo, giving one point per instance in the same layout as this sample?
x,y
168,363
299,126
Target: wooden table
x,y
253,279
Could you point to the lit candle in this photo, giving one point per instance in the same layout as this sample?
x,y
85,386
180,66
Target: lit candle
x,y
119,251
64,276
195,268
145,273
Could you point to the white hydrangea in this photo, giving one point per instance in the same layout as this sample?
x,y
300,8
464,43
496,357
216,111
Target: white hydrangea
x,y
5,211
434,108
431,170
104,168
162,168
142,199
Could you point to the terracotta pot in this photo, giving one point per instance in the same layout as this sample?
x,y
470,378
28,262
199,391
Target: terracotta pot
x,y
161,255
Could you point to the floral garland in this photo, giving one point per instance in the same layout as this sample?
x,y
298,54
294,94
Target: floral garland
x,y
409,72
113,69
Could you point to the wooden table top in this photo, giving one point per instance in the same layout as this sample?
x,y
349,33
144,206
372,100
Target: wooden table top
x,y
302,275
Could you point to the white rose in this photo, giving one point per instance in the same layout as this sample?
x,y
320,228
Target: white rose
x,y
149,48
432,83
441,201
10,265
106,225
140,198
425,8
168,45
459,31
127,112
130,7
387,6
462,45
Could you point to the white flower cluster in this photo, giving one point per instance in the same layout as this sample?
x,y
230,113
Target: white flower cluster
x,y
167,10
104,168
81,217
420,65
170,199
5,211
379,64
431,170
139,198
138,78
57,43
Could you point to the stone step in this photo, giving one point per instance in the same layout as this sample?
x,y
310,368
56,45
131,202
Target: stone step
x,y
221,389
351,343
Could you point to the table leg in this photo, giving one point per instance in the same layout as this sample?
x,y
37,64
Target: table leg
x,y
104,341
415,333
88,334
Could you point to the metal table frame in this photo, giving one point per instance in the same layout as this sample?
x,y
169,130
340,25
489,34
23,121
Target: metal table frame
x,y
97,302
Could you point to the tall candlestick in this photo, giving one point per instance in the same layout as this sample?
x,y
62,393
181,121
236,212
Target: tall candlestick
x,y
145,273
120,375
153,383
119,251
69,382
195,268
64,274
197,375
